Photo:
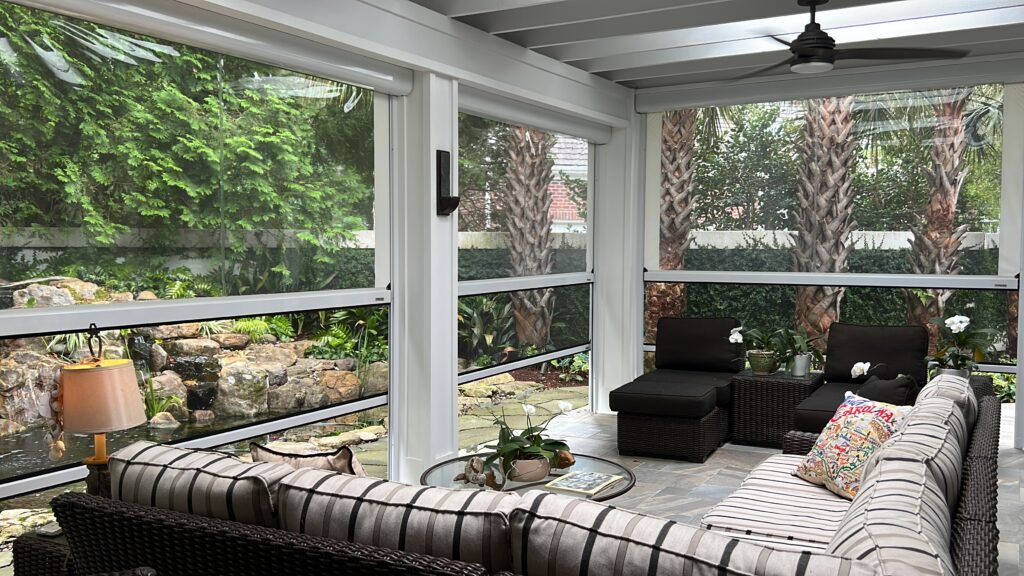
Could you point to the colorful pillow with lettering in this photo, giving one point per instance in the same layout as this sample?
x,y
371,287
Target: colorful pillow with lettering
x,y
858,428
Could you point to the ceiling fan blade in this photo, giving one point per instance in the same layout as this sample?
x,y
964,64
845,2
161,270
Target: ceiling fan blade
x,y
780,40
764,69
900,54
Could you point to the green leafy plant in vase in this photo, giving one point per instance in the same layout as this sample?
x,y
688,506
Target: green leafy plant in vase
x,y
798,351
525,456
763,348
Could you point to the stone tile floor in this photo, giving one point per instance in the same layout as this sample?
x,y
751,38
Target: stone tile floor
x,y
684,491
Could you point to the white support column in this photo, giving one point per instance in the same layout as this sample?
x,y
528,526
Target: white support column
x,y
618,262
424,426
382,190
1011,240
652,191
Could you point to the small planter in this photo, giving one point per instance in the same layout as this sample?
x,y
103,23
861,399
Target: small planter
x,y
762,361
963,373
801,365
529,470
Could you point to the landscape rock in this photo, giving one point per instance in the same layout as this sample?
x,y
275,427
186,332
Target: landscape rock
x,y
33,344
269,339
348,364
265,353
301,393
299,347
157,358
112,352
163,420
80,290
375,431
376,379
26,380
192,347
345,384
467,403
42,296
336,441
170,331
198,368
305,367
293,447
121,297
8,427
477,390
147,295
169,384
232,341
203,417
517,389
503,378
241,391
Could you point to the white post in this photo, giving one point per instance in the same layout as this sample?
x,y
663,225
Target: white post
x,y
424,428
1011,241
618,262
382,190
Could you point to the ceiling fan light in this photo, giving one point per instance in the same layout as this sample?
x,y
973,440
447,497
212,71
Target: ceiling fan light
x,y
811,67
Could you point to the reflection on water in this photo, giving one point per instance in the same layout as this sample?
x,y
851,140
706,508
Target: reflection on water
x,y
27,452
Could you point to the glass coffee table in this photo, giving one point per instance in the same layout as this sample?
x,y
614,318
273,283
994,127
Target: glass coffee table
x,y
443,475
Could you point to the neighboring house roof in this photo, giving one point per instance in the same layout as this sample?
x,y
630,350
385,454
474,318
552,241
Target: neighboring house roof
x,y
571,156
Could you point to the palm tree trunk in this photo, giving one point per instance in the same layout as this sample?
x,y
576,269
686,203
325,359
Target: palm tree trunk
x,y
678,142
825,194
937,242
528,220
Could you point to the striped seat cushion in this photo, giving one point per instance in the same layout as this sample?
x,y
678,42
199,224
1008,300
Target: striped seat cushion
x,y
957,389
200,482
467,525
555,535
899,522
775,508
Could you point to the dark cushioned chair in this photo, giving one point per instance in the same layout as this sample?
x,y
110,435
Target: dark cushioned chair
x,y
681,409
891,350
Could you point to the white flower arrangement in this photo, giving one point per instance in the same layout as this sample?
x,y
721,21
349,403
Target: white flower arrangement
x,y
529,409
957,324
860,369
736,335
564,406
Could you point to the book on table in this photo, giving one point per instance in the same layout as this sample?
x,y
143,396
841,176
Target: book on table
x,y
589,483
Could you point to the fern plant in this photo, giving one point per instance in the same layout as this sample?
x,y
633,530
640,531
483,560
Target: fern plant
x,y
211,327
255,328
156,404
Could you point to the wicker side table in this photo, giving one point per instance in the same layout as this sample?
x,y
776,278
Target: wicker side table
x,y
762,405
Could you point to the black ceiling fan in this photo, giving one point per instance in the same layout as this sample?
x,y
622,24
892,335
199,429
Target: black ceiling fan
x,y
814,51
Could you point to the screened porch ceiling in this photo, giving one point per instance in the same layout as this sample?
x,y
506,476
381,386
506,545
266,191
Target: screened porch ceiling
x,y
651,43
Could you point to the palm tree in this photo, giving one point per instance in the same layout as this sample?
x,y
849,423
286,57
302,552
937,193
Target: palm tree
x,y
938,242
825,193
528,220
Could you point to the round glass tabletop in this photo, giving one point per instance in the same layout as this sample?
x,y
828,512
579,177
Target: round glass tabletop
x,y
443,475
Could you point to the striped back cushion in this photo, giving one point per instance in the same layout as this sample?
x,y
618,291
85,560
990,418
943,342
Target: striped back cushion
x,y
200,482
957,389
936,434
467,525
899,522
554,535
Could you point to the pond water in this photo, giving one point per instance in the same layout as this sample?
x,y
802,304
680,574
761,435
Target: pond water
x,y
27,452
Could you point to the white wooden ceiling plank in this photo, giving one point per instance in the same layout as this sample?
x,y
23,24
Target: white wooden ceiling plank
x,y
571,11
458,8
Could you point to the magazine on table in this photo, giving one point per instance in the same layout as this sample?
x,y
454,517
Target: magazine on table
x,y
588,483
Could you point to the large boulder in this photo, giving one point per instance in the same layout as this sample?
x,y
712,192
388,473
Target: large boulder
x,y
158,358
270,354
169,384
192,347
42,296
304,394
306,367
163,420
80,290
232,341
376,379
198,368
241,391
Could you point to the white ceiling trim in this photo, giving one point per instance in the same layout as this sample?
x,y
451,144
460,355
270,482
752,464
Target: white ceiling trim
x,y
1004,68
496,107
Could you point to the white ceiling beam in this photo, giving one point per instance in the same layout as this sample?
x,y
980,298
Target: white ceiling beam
x,y
904,76
458,8
572,11
700,45
981,42
670,19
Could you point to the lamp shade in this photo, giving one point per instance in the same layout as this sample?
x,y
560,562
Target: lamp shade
x,y
101,396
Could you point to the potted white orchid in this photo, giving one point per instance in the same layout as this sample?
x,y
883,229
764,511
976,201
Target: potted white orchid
x,y
960,347
525,456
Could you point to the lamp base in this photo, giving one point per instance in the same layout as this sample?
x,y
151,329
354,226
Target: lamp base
x,y
99,458
97,482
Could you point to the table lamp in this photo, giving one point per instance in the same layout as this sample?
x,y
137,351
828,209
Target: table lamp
x,y
100,396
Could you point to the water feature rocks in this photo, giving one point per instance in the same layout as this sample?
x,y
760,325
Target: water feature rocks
x,y
305,367
348,364
192,347
26,380
169,331
157,358
8,427
198,368
200,396
232,341
266,354
147,295
298,394
376,380
203,417
241,391
164,421
121,297
42,296
169,384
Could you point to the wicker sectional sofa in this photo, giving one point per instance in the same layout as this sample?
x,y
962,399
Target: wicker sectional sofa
x,y
327,523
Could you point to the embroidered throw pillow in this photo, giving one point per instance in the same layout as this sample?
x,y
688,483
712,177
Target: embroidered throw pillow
x,y
341,460
858,428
